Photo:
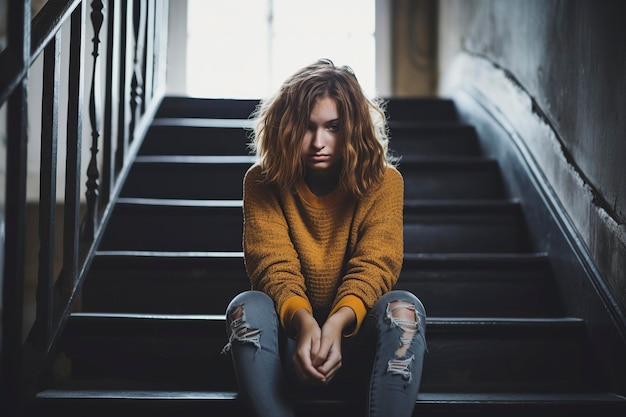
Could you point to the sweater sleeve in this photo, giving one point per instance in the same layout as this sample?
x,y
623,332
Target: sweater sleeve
x,y
270,257
376,260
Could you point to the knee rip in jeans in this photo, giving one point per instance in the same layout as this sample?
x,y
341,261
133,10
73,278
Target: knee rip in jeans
x,y
240,332
403,315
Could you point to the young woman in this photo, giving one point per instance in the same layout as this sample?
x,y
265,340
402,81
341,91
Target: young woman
x,y
323,247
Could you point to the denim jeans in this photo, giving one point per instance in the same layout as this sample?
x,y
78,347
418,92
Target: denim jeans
x,y
381,364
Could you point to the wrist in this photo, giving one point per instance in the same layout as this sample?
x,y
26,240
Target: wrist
x,y
301,319
344,318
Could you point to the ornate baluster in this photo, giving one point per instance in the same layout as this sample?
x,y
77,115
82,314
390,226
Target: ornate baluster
x,y
136,92
93,175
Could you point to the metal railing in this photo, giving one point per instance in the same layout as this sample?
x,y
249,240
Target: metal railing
x,y
124,88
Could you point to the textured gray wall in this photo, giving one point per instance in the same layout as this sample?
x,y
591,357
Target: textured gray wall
x,y
570,58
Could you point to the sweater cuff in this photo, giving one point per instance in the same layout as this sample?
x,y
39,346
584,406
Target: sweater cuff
x,y
356,304
289,308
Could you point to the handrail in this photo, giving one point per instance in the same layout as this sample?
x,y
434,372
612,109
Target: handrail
x,y
45,25
120,108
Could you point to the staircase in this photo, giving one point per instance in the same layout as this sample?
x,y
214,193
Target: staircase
x,y
148,336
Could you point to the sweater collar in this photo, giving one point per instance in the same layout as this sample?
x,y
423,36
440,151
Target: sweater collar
x,y
331,199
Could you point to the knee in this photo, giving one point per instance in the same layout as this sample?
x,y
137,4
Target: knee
x,y
255,302
247,305
403,310
250,308
403,304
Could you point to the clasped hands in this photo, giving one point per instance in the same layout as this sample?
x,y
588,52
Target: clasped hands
x,y
318,353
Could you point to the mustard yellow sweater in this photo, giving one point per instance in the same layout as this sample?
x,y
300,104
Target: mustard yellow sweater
x,y
306,251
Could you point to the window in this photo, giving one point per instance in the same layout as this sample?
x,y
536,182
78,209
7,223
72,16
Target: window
x,y
246,48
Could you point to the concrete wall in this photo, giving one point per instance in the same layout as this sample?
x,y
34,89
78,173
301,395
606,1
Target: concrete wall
x,y
567,59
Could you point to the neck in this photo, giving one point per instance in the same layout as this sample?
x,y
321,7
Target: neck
x,y
321,183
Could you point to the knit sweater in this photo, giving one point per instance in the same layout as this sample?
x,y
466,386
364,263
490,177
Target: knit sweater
x,y
322,252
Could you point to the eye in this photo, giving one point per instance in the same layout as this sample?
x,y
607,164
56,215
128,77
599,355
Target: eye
x,y
334,127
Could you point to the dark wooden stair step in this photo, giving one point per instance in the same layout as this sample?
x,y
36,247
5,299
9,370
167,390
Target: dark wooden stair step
x,y
465,354
454,285
187,177
175,225
127,403
421,109
206,107
216,225
425,178
451,177
464,226
433,139
180,137
482,285
424,108
164,282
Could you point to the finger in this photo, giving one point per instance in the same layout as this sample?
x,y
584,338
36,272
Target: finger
x,y
333,362
315,347
305,370
331,374
321,356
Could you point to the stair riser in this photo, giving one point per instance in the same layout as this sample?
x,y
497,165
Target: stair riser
x,y
162,292
211,229
213,181
197,140
174,229
445,293
186,181
436,141
459,182
505,362
421,110
193,140
467,293
471,233
470,360
201,108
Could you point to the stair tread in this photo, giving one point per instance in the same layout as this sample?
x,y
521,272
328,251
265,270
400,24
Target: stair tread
x,y
461,204
203,122
166,254
473,204
176,202
195,159
446,162
433,322
429,124
425,257
448,260
463,398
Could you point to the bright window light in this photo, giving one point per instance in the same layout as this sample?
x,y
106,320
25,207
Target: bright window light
x,y
246,48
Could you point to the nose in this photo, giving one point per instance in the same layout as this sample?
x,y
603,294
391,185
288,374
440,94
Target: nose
x,y
318,142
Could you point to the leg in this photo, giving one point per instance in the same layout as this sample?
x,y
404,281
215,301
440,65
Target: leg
x,y
252,328
399,321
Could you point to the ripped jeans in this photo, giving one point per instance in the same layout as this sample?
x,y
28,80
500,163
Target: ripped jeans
x,y
381,365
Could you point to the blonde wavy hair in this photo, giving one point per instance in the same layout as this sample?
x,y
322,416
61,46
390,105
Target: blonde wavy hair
x,y
281,122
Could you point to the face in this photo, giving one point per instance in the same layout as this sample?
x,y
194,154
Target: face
x,y
321,143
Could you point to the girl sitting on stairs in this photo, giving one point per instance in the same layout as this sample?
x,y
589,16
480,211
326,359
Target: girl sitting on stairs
x,y
323,247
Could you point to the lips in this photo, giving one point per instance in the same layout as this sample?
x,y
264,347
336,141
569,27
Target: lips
x,y
318,157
